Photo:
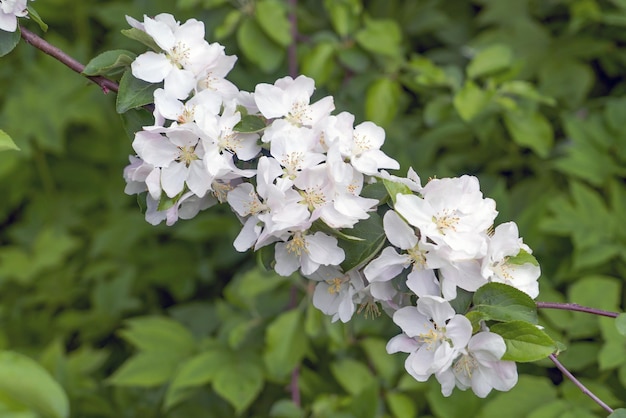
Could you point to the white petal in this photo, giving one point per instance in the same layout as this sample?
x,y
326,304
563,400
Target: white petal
x,y
151,67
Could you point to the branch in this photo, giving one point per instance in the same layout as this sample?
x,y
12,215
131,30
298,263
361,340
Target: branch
x,y
582,387
105,84
576,307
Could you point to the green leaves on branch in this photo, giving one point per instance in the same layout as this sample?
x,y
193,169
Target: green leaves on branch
x,y
133,93
109,63
6,143
501,302
25,387
524,342
8,41
371,237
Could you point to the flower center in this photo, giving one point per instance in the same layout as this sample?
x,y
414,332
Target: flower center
x,y
466,365
179,55
334,285
446,222
297,245
299,114
187,155
313,198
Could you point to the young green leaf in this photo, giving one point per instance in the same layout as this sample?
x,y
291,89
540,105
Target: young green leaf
x,y
6,143
285,344
372,238
8,41
141,36
239,382
34,16
250,124
26,383
109,62
524,342
501,302
133,93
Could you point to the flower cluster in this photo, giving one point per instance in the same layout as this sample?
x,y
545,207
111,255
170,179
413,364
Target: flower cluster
x,y
10,10
295,180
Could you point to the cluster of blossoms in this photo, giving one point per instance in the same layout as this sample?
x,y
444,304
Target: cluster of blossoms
x,y
300,175
10,10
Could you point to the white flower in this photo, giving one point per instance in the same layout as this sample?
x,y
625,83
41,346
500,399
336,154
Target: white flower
x,y
452,213
480,367
185,54
497,265
389,264
10,10
290,99
337,293
307,252
433,335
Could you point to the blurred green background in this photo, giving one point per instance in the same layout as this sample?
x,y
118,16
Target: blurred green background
x,y
133,320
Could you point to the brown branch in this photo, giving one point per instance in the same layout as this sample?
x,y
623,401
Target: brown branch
x,y
576,307
105,84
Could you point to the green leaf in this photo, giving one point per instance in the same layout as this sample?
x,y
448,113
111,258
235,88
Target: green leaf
x,y
285,344
567,80
353,376
384,365
109,62
159,334
401,405
494,58
25,382
134,120
133,93
239,382
146,369
523,257
141,36
382,100
470,101
394,187
602,292
344,15
271,15
620,323
618,413
372,238
319,63
34,16
530,129
524,342
501,302
285,408
6,143
196,371
250,124
258,48
228,25
530,393
8,41
525,90
380,36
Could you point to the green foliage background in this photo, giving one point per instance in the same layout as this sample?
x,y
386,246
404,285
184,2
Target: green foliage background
x,y
139,321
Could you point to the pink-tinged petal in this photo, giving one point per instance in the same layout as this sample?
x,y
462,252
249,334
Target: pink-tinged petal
x,y
151,67
286,262
504,375
167,105
198,178
423,282
459,331
411,321
155,149
8,22
323,249
398,232
402,343
436,308
382,290
387,266
153,182
487,346
248,235
173,178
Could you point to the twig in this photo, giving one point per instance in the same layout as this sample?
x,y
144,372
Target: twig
x,y
577,308
105,84
582,387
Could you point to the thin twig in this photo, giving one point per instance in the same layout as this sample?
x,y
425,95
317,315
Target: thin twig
x,y
577,308
105,84
582,387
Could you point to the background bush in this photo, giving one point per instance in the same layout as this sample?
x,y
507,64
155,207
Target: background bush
x,y
139,321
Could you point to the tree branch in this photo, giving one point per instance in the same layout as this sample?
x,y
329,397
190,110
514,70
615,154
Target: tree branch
x,y
582,387
105,84
577,308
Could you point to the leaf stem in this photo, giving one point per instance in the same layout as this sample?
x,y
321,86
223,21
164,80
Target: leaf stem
x,y
577,382
576,307
105,84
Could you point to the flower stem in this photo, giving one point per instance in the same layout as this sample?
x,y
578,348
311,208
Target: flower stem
x,y
582,387
577,308
105,84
